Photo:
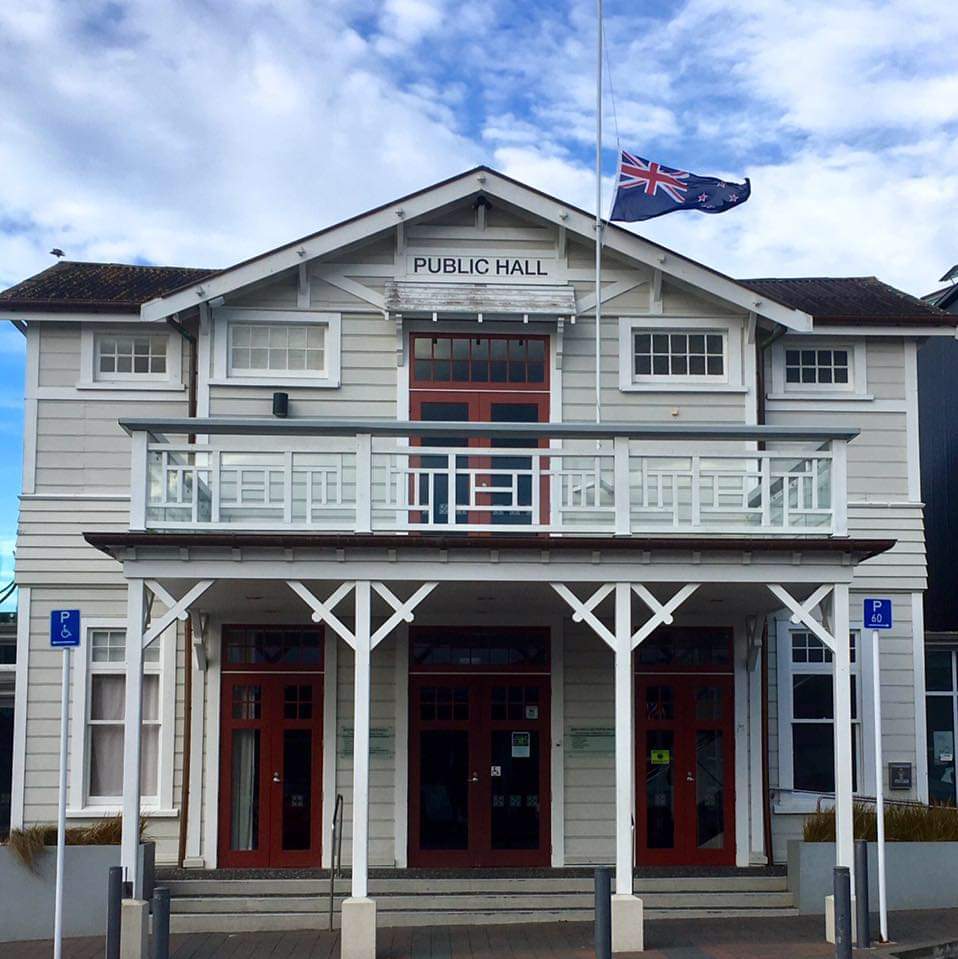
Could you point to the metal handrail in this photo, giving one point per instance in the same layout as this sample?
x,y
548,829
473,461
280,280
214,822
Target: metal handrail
x,y
336,858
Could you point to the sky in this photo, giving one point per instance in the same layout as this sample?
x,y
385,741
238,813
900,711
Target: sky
x,y
199,133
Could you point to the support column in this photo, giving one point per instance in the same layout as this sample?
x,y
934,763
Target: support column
x,y
132,722
627,918
359,911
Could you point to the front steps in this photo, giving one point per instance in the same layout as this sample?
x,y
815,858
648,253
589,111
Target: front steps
x,y
265,905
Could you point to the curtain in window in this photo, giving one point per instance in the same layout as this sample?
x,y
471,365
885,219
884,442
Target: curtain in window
x,y
245,792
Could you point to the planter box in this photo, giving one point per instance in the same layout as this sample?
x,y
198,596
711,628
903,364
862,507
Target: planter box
x,y
26,897
920,875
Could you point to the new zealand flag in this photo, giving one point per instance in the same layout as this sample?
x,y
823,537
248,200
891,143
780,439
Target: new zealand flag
x,y
647,189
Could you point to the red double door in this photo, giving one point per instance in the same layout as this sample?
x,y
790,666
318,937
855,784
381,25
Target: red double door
x,y
479,784
271,748
684,770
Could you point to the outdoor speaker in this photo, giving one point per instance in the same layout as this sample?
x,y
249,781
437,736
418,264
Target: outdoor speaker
x,y
281,404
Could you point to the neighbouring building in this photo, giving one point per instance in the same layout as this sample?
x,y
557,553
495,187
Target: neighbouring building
x,y
938,413
342,520
8,666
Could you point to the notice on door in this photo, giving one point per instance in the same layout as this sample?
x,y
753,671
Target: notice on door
x,y
660,757
592,739
521,745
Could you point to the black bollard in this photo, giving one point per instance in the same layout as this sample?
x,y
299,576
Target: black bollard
x,y
114,897
161,923
149,869
843,913
603,913
861,895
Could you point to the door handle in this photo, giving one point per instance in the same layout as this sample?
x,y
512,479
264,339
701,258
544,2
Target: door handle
x,y
474,778
689,778
276,778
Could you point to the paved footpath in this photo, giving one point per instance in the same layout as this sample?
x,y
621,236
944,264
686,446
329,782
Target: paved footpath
x,y
772,938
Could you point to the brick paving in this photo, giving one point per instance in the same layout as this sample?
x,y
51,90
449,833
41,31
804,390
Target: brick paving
x,y
772,938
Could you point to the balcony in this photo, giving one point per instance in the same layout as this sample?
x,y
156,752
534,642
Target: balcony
x,y
564,479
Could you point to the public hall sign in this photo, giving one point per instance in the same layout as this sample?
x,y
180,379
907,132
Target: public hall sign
x,y
493,268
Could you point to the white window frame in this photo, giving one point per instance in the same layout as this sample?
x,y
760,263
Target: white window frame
x,y
855,389
90,379
224,376
79,803
789,800
728,327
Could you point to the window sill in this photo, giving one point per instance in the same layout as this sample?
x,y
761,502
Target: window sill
x,y
313,383
106,812
831,396
153,385
666,387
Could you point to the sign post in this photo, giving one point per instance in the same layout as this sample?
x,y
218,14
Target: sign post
x,y
878,615
64,634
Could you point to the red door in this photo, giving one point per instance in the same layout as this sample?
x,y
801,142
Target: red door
x,y
271,748
684,770
479,748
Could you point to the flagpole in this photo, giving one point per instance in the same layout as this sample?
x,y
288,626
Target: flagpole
x,y
598,214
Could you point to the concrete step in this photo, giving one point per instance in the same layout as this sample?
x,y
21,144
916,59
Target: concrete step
x,y
279,921
439,886
466,902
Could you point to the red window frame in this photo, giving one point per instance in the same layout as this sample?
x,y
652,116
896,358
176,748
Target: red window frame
x,y
506,385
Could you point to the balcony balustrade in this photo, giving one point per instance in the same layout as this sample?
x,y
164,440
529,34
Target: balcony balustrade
x,y
556,479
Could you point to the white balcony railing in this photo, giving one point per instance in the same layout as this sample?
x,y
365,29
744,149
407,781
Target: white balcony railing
x,y
565,479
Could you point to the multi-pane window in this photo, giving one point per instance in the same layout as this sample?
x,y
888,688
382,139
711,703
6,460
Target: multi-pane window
x,y
813,367
105,715
685,354
941,717
131,356
450,358
297,348
813,713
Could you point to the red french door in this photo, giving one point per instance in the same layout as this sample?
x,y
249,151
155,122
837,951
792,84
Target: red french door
x,y
271,747
479,748
684,770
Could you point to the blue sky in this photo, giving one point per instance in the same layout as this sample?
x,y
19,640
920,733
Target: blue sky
x,y
198,133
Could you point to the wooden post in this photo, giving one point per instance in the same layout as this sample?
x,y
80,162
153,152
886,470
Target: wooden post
x,y
363,650
844,845
132,721
624,745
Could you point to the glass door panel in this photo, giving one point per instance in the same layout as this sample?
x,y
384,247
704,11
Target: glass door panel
x,y
297,788
660,789
941,749
244,789
433,482
710,789
444,789
516,499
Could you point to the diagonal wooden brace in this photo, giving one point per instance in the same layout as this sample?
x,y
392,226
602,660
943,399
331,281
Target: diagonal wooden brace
x,y
582,611
802,612
323,611
179,608
661,612
403,610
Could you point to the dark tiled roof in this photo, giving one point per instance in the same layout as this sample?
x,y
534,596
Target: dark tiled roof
x,y
98,287
852,299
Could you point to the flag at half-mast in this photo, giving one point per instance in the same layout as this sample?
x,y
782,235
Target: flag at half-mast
x,y
646,189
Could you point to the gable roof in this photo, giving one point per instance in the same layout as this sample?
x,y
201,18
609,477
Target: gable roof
x,y
850,299
97,287
945,298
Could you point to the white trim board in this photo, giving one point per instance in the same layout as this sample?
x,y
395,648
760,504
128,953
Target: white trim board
x,y
20,706
458,189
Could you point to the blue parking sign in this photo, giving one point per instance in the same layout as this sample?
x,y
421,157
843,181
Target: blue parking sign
x,y
65,627
877,614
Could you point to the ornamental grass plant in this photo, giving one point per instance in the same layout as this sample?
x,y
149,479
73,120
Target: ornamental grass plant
x,y
904,822
28,843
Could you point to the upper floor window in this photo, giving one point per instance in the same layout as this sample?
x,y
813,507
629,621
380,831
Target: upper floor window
x,y
262,347
122,357
686,354
130,359
817,366
298,348
681,354
506,360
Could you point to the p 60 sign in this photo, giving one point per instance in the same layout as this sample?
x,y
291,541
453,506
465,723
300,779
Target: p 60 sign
x,y
877,614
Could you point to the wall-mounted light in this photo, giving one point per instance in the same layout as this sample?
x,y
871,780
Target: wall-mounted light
x,y
281,405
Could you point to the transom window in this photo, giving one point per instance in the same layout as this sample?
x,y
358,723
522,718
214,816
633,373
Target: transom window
x,y
443,650
297,348
451,358
684,353
803,367
130,356
272,646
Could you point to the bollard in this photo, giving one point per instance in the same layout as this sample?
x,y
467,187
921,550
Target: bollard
x,y
603,912
861,894
114,896
843,913
161,923
149,869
